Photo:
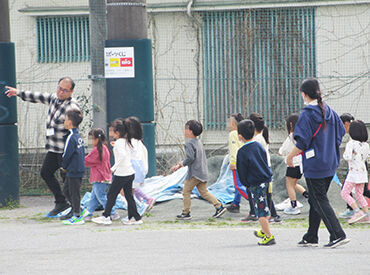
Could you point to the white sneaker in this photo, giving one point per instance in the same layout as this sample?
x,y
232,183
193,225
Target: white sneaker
x,y
133,222
102,220
285,204
125,219
281,206
292,211
115,217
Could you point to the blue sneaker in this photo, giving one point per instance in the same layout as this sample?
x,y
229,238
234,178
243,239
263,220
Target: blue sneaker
x,y
74,220
346,214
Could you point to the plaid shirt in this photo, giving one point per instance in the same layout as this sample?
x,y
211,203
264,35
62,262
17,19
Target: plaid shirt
x,y
56,116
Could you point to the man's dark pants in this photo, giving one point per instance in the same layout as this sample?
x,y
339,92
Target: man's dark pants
x,y
52,162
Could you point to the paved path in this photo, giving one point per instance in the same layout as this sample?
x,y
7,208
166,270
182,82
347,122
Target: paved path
x,y
31,245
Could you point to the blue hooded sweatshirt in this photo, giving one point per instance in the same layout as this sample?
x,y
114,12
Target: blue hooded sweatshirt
x,y
325,144
74,155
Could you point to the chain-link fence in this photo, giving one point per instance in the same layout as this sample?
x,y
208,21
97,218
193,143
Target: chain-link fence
x,y
205,67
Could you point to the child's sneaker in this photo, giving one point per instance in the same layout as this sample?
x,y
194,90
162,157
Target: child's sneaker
x,y
88,218
281,206
356,217
259,234
150,204
74,220
102,220
84,213
250,218
133,222
366,219
267,241
184,216
233,208
346,214
219,212
275,219
125,219
292,211
115,216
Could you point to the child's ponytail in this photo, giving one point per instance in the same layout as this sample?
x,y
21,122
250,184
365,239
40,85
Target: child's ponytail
x,y
265,134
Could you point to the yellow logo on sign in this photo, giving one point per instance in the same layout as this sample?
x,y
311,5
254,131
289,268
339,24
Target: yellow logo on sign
x,y
114,62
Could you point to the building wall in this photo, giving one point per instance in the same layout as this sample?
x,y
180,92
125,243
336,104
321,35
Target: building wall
x,y
343,53
342,57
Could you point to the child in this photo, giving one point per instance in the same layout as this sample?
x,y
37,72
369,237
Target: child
x,y
100,175
356,153
346,118
261,135
234,145
73,163
139,160
255,173
293,174
198,172
124,175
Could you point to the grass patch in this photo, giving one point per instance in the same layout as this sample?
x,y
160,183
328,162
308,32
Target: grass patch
x,y
148,214
10,204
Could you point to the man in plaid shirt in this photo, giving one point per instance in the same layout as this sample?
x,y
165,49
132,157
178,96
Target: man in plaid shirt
x,y
59,103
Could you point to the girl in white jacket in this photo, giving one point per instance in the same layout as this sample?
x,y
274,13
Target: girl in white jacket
x,y
124,175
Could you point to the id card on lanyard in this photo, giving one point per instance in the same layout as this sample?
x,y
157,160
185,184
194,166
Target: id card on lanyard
x,y
49,130
310,153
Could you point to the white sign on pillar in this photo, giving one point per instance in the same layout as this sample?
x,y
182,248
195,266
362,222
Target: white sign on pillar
x,y
119,62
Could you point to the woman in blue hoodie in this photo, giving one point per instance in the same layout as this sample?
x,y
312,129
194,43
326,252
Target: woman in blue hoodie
x,y
318,134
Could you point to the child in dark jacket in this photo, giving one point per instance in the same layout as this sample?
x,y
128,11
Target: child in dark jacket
x,y
255,173
74,164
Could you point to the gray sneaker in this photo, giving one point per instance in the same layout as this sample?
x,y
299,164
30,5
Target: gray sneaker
x,y
115,216
292,211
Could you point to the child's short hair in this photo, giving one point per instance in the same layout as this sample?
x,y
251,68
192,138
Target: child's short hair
x,y
259,122
347,117
358,131
194,126
246,129
291,121
75,116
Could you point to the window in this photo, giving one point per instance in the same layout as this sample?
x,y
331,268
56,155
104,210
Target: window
x,y
254,61
63,39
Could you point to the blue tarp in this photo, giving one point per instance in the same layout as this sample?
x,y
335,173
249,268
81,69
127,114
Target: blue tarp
x,y
164,188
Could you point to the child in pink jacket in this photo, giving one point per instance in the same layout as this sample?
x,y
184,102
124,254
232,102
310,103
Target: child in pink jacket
x,y
100,174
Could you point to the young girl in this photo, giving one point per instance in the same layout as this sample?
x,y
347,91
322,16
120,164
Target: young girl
x,y
234,145
292,174
261,135
356,153
124,175
139,159
100,174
